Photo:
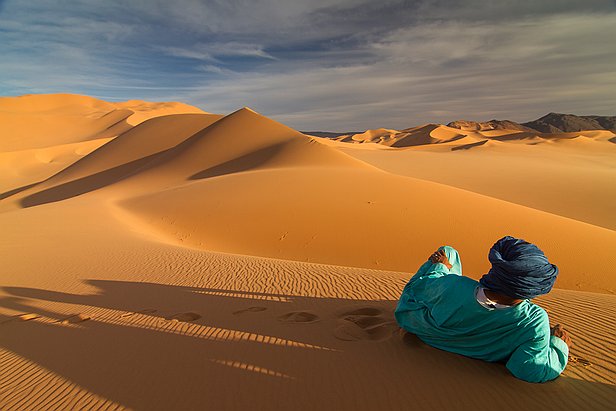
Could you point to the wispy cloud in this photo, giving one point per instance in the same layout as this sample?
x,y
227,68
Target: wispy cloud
x,y
324,64
213,52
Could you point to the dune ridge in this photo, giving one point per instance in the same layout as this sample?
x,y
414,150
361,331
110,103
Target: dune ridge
x,y
457,136
44,134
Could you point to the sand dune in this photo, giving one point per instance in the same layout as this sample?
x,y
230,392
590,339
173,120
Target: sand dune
x,y
213,185
565,174
43,134
432,134
25,167
241,141
417,136
364,219
191,243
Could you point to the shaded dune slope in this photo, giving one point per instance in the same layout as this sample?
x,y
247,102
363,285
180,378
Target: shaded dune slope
x,y
34,122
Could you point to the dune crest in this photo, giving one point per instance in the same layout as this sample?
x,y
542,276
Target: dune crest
x,y
460,135
42,134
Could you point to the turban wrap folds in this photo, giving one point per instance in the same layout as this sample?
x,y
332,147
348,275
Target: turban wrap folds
x,y
519,269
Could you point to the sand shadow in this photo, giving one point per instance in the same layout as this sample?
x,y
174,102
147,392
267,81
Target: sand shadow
x,y
87,184
14,191
243,163
201,341
469,146
113,175
156,346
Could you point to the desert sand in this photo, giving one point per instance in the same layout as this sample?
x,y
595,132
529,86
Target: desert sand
x,y
159,257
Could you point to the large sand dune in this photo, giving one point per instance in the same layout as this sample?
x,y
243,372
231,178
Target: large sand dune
x,y
177,264
42,134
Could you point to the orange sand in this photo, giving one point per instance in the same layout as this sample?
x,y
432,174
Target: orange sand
x,y
175,259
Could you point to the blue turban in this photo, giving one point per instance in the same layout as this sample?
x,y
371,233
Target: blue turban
x,y
519,269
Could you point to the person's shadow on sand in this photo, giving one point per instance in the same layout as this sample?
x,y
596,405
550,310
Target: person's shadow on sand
x,y
155,346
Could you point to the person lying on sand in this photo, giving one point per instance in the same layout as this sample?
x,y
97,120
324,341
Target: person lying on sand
x,y
493,319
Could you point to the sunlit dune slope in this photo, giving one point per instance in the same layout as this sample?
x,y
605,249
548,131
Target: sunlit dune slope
x,y
37,121
569,174
363,218
26,167
44,120
144,110
42,134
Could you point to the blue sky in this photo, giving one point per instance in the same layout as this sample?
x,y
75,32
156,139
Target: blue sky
x,y
321,64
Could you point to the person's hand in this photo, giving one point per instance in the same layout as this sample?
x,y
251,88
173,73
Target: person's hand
x,y
561,333
439,257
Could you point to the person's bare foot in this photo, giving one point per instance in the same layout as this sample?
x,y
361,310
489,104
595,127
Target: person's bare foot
x,y
561,333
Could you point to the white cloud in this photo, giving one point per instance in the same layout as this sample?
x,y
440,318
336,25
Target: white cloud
x,y
211,51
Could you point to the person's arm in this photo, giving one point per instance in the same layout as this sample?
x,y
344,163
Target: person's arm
x,y
436,266
541,359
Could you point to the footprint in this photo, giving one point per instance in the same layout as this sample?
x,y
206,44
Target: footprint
x,y
367,323
145,311
250,310
299,317
21,317
184,317
74,319
579,360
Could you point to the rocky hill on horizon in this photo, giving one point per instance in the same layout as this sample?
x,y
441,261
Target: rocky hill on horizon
x,y
558,123
550,123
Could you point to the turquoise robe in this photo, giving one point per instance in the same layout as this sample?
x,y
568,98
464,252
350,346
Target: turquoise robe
x,y
439,306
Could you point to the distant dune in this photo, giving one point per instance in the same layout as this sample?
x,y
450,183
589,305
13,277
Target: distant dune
x,y
232,250
561,173
43,134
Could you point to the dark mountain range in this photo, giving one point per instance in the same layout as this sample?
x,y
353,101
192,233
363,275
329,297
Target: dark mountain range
x,y
558,123
550,123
